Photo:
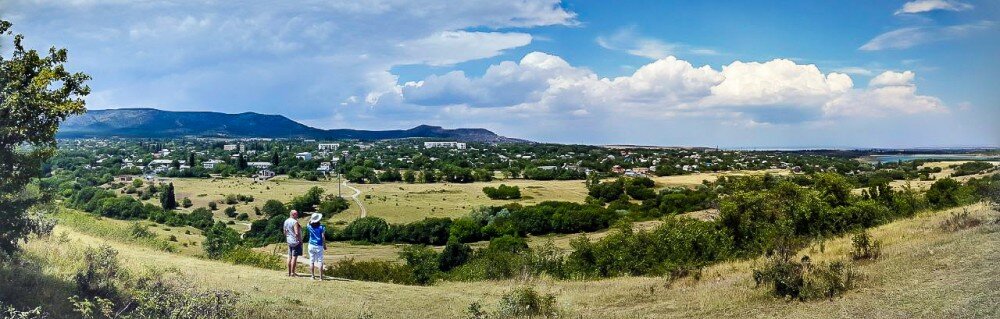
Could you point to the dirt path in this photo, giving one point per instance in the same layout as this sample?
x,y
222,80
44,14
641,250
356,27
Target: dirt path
x,y
357,192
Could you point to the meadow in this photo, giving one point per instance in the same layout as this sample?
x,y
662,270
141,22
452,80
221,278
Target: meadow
x,y
924,271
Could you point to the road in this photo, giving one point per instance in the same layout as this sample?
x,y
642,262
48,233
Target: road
x,y
357,192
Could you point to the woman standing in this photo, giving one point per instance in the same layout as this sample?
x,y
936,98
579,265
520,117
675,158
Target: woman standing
x,y
317,245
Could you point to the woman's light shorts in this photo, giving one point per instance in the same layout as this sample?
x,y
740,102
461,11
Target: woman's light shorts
x,y
315,253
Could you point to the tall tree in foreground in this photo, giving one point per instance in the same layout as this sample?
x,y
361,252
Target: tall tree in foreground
x,y
36,94
167,199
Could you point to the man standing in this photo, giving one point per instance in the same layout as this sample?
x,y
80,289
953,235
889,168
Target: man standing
x,y
293,236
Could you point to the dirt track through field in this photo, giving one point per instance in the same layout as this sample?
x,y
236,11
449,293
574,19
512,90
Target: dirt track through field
x,y
357,192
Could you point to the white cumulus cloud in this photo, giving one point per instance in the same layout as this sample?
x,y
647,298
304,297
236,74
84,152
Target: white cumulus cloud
x,y
920,6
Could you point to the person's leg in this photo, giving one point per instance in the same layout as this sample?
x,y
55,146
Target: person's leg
x,y
321,270
291,255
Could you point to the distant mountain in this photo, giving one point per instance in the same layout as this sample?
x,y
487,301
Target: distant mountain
x,y
153,123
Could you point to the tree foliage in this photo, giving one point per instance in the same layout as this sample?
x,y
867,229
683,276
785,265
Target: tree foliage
x,y
36,94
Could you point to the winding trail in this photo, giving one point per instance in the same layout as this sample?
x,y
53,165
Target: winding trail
x,y
364,212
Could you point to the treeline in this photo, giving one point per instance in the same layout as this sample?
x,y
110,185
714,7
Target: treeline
x,y
108,204
268,230
758,214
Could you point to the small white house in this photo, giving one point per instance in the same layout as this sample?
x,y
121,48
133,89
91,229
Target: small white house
x,y
305,156
229,147
210,164
328,146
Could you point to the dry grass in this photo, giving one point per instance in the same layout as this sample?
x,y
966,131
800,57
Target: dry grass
x,y
924,272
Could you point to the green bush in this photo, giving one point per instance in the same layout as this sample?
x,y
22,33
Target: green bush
x,y
865,247
230,211
423,261
375,270
220,240
454,254
803,280
246,256
213,206
526,302
101,272
502,192
370,229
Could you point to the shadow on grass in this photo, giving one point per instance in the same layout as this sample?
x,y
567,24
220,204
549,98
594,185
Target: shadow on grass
x,y
25,286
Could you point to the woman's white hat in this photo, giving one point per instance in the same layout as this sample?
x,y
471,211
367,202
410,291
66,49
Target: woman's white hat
x,y
316,217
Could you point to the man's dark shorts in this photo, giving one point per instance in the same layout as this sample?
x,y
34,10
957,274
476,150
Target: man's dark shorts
x,y
295,250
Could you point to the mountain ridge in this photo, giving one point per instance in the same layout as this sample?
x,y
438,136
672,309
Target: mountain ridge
x,y
156,123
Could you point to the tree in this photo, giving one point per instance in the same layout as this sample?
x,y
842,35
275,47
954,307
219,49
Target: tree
x,y
167,199
274,208
36,94
219,240
191,159
409,177
175,164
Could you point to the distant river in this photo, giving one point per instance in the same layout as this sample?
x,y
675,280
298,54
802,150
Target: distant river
x,y
936,157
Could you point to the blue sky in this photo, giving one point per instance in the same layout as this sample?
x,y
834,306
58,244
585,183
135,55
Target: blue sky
x,y
726,73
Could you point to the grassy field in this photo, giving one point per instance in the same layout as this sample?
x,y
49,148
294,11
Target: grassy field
x,y
399,202
945,173
925,272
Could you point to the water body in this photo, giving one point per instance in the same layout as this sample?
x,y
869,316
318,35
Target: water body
x,y
934,157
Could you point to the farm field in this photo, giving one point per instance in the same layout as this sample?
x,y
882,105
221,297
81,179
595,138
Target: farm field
x,y
924,272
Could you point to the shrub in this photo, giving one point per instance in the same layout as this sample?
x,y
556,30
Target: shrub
x,y
219,240
250,257
502,192
243,216
230,211
186,202
231,199
454,254
100,273
959,221
376,270
865,247
138,231
804,281
423,261
332,205
213,206
526,302
370,229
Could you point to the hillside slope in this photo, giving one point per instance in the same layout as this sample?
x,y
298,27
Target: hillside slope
x,y
153,123
925,272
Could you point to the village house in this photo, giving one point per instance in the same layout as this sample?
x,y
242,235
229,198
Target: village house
x,y
617,169
210,164
264,174
259,165
305,156
327,146
456,145
229,147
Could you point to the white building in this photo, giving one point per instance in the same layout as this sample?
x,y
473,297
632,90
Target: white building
x,y
305,156
328,146
160,162
324,167
456,145
210,164
259,165
229,147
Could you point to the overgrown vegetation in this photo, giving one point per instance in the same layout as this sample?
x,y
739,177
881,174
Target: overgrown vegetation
x,y
502,192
